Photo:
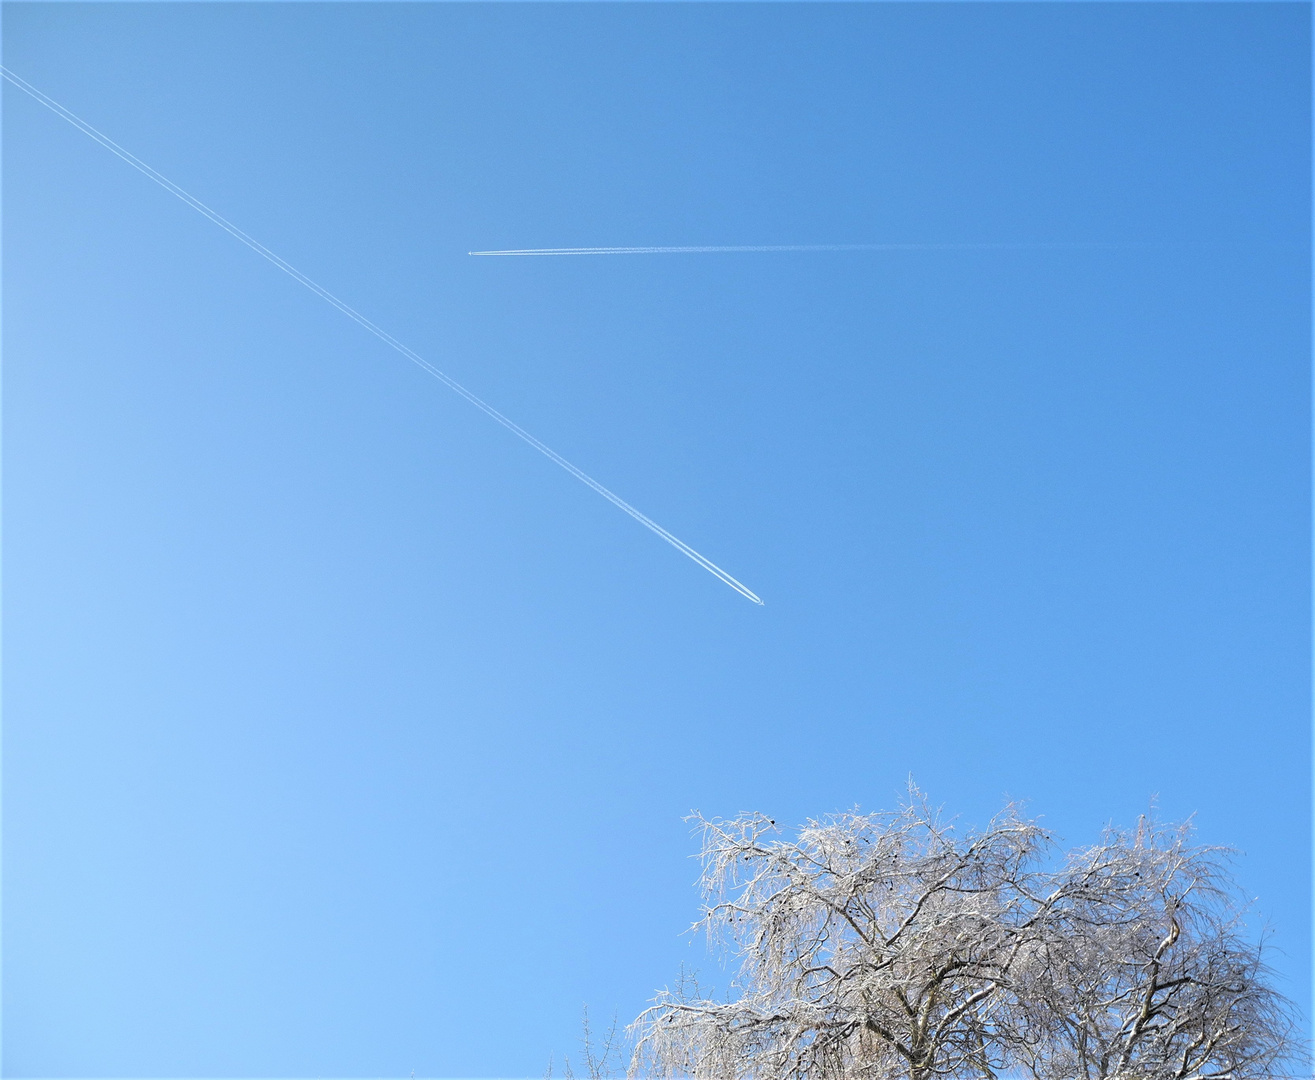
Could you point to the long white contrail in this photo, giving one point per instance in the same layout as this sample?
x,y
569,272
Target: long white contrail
x,y
730,249
382,335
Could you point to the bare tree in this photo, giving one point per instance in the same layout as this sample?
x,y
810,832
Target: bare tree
x,y
1146,972
602,1056
874,945
889,945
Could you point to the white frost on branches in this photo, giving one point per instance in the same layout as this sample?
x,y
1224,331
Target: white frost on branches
x,y
1145,971
888,945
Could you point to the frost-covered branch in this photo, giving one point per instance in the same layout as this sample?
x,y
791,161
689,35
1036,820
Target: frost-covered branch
x,y
877,946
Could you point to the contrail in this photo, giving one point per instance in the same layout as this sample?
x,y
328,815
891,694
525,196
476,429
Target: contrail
x,y
382,335
730,249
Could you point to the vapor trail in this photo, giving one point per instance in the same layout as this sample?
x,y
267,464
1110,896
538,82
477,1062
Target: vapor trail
x,y
722,249
382,335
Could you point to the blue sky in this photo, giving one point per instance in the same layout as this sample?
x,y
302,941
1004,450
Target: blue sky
x,y
345,735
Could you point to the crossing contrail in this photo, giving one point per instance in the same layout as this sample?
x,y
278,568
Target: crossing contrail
x,y
260,249
731,249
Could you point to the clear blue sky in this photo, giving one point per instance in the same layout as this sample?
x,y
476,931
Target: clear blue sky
x,y
345,735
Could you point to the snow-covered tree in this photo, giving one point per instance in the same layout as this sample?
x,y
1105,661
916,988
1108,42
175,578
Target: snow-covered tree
x,y
876,946
1146,971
